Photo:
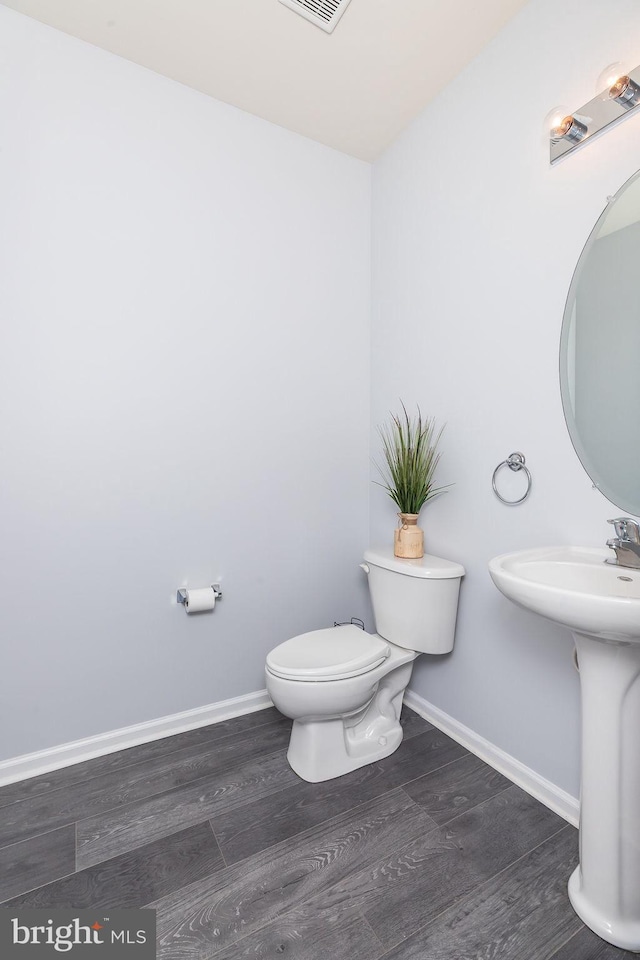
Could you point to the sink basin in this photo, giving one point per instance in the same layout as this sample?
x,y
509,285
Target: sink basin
x,y
574,587
600,603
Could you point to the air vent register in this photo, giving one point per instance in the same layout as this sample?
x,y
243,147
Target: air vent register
x,y
324,13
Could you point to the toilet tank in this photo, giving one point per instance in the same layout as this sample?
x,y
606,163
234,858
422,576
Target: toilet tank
x,y
415,602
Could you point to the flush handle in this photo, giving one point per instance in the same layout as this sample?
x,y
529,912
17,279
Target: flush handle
x,y
365,567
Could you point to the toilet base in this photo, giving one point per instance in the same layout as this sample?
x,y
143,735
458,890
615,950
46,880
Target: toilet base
x,y
324,749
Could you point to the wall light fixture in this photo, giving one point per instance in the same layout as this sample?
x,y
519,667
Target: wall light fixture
x,y
610,106
625,91
569,128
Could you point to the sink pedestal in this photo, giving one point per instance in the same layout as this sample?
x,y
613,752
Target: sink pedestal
x,y
605,889
600,603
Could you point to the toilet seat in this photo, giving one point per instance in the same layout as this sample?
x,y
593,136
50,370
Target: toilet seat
x,y
336,653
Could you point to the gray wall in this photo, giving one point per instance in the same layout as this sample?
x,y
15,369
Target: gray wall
x,y
184,390
475,241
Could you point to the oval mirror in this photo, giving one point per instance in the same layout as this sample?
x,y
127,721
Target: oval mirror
x,y
600,351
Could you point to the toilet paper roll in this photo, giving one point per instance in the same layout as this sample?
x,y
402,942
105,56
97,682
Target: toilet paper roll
x,y
199,600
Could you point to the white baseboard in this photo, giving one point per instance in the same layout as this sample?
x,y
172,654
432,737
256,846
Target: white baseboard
x,y
34,764
552,796
44,761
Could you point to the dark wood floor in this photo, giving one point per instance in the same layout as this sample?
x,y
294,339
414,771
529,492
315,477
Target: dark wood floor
x,y
427,855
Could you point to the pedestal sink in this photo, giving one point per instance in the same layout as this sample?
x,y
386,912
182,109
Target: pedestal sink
x,y
600,604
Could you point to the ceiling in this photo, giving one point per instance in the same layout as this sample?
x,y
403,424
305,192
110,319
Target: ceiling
x,y
354,89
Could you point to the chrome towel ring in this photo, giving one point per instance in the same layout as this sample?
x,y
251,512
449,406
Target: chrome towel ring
x,y
515,462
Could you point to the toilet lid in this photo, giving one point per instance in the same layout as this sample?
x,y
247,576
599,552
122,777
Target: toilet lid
x,y
333,654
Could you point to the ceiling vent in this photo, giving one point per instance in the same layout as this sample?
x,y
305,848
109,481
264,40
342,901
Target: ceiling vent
x,y
324,13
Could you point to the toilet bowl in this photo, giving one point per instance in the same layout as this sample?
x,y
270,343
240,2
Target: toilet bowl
x,y
343,687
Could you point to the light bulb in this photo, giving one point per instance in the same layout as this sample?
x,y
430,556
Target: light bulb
x,y
568,128
608,76
553,120
626,92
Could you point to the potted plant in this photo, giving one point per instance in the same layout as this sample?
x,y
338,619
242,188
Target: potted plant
x,y
410,451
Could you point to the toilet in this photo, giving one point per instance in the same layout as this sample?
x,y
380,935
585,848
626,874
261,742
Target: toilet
x,y
342,687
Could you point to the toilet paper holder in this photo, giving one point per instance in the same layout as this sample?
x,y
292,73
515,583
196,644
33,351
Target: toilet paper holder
x,y
182,593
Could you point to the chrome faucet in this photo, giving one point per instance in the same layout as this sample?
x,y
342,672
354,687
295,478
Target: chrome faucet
x,y
626,542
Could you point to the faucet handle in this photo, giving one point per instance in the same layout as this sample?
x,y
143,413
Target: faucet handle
x,y
626,529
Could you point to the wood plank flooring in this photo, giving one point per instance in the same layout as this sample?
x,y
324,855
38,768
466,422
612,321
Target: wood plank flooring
x,y
426,855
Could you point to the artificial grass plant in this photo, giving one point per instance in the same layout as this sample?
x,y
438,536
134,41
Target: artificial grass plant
x,y
410,450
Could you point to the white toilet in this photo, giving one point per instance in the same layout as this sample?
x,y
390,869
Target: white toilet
x,y
342,687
